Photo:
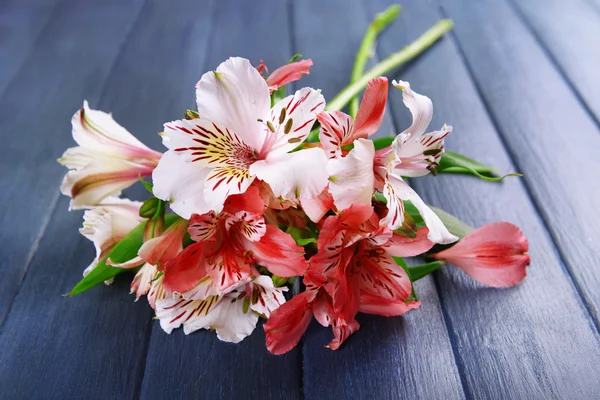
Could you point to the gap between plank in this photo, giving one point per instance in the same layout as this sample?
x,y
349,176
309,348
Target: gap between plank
x,y
538,39
150,326
54,202
594,323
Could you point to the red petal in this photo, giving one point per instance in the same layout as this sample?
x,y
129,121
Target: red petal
x,y
287,323
278,252
401,246
288,73
248,201
186,270
372,108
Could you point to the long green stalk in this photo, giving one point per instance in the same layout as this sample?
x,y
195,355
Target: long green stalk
x,y
367,46
393,61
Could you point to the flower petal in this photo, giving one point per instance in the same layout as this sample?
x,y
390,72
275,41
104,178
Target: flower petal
x,y
288,73
251,225
370,304
143,280
182,184
372,108
98,132
164,248
278,252
269,297
438,233
417,155
293,125
336,131
493,254
351,177
176,311
401,246
286,324
203,227
299,174
187,270
420,107
235,96
316,207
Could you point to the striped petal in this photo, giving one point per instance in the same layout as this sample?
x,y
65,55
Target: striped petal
x,y
372,108
336,131
235,96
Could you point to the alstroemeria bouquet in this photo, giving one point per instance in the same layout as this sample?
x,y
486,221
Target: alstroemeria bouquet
x,y
267,191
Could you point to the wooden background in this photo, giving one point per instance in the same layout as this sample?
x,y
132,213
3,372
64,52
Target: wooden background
x,y
518,80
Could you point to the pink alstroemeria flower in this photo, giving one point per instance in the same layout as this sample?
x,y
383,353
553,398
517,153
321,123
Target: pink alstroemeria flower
x,y
352,272
494,254
108,159
237,139
108,223
233,315
228,246
288,73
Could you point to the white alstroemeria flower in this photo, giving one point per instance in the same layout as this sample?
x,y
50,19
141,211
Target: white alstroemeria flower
x,y
233,316
108,223
108,159
413,153
237,139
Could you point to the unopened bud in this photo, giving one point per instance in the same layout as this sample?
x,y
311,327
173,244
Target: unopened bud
x,y
278,281
149,207
191,114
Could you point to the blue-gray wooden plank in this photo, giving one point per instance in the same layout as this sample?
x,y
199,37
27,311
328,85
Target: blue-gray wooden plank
x,y
509,343
402,357
54,347
570,30
21,22
548,133
199,365
71,60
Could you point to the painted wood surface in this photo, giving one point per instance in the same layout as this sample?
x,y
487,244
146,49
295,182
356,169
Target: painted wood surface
x,y
520,91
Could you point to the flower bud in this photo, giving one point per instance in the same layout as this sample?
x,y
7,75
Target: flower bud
x,y
149,207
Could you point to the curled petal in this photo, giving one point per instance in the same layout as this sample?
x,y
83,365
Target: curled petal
x,y
278,252
493,254
372,108
438,233
142,282
101,178
288,73
342,331
351,177
292,175
286,324
203,227
97,131
420,107
235,96
417,155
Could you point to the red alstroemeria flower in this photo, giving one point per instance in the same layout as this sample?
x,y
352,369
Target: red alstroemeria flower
x,y
228,246
494,254
352,272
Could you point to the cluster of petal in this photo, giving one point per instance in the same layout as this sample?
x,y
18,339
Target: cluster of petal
x,y
240,138
352,272
107,160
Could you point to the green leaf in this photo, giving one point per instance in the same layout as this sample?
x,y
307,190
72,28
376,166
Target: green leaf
x,y
416,272
294,58
302,237
305,241
99,274
458,164
382,143
124,251
146,184
454,225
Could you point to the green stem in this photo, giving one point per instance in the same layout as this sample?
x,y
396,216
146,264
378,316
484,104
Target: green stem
x,y
393,61
365,51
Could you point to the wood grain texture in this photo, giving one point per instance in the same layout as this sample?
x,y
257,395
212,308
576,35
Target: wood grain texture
x,y
21,23
200,365
69,63
569,29
549,135
388,358
510,343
